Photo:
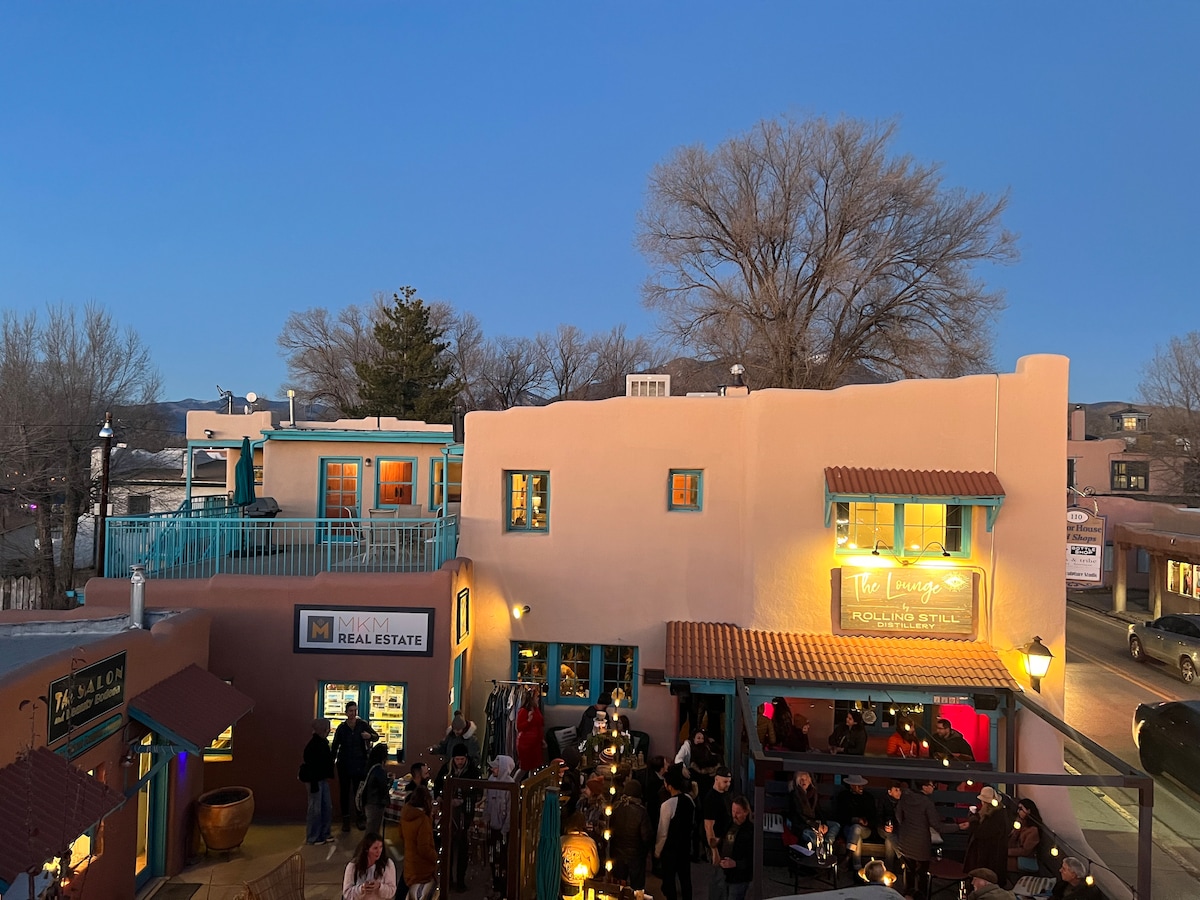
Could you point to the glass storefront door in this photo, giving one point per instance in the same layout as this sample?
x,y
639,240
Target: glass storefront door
x,y
381,704
151,812
340,499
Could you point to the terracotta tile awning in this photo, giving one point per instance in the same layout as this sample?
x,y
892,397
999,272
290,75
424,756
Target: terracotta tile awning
x,y
45,803
911,483
721,652
190,708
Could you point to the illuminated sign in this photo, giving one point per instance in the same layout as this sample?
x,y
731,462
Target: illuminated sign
x,y
910,600
85,695
1085,546
392,631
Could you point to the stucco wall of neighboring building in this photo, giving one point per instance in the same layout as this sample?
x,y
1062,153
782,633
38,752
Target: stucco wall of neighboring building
x,y
253,645
152,655
616,564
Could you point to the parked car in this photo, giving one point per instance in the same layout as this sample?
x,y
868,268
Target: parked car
x,y
1174,640
1168,739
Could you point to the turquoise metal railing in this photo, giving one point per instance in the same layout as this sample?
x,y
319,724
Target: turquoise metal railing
x,y
199,544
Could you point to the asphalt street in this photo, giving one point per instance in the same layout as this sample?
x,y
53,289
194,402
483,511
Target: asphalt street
x,y
1103,687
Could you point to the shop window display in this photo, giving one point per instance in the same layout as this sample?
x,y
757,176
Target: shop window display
x,y
381,704
584,670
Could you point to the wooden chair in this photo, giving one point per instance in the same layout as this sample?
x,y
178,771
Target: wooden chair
x,y
284,882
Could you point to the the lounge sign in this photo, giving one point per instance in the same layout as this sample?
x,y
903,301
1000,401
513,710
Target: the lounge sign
x,y
372,629
85,695
907,600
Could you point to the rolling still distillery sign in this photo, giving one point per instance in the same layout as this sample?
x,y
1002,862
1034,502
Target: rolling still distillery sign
x,y
85,695
387,630
907,601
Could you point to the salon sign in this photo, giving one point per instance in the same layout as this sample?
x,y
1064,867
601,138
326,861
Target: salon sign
x,y
911,600
380,630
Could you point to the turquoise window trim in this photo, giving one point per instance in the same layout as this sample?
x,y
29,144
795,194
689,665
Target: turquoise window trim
x,y
698,474
361,437
595,676
444,482
897,540
992,504
529,527
364,704
412,481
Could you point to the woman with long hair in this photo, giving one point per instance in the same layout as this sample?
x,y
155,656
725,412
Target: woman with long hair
x,y
530,733
370,875
1024,838
420,853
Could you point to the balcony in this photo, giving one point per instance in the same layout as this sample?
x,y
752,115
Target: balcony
x,y
193,543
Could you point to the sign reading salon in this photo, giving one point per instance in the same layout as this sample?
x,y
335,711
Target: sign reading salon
x,y
916,601
382,630
85,696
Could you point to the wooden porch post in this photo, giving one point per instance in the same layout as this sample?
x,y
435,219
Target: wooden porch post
x,y
1120,576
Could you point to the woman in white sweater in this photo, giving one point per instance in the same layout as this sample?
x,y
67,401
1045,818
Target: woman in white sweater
x,y
370,875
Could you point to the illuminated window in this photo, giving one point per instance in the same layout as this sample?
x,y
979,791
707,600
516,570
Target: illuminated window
x,y
584,671
905,529
394,481
686,490
528,501
221,749
1131,475
453,485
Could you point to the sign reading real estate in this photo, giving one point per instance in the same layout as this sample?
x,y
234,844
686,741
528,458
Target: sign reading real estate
x,y
1085,546
389,630
908,600
85,695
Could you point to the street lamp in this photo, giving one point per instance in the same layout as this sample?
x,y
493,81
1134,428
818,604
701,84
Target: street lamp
x,y
1037,662
106,434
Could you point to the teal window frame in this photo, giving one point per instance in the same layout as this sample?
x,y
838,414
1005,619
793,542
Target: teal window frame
x,y
895,543
453,488
698,505
364,704
597,672
535,519
411,483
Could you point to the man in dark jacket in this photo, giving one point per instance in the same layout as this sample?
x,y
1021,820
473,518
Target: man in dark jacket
x,y
916,818
673,846
462,811
736,857
632,836
854,809
949,744
351,742
318,772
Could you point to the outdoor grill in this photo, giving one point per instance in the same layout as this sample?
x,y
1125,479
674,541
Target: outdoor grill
x,y
262,508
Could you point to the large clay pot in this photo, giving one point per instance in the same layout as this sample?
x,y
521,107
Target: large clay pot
x,y
224,816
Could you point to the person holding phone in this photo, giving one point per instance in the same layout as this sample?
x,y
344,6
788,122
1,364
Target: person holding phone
x,y
370,875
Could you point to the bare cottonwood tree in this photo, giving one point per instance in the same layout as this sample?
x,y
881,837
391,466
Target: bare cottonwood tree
x,y
513,373
1171,384
570,359
812,250
321,350
618,355
61,374
467,351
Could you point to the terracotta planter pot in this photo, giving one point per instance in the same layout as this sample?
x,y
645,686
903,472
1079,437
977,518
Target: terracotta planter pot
x,y
224,816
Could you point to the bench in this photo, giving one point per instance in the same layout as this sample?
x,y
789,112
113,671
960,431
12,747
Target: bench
x,y
284,882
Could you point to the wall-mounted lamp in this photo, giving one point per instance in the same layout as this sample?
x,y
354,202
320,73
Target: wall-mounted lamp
x,y
875,552
367,461
1037,662
520,611
921,555
208,433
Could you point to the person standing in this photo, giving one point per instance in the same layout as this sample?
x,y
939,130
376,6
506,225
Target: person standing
x,y
376,789
531,732
632,836
916,819
350,743
318,772
460,732
887,822
499,816
673,845
420,852
716,813
987,846
736,852
462,811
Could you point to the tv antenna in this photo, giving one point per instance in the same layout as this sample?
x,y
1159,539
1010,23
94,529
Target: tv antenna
x,y
227,399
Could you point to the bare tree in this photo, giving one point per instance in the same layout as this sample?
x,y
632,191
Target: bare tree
x,y
618,355
570,359
513,373
467,351
322,349
60,375
1171,384
812,250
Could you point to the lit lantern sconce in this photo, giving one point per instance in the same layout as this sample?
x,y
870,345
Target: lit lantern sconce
x,y
1037,662
519,612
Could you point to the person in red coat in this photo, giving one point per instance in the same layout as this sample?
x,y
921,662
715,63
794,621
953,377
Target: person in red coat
x,y
530,731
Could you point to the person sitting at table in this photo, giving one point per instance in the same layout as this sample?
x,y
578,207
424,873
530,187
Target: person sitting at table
x,y
949,744
850,737
1024,838
903,742
804,816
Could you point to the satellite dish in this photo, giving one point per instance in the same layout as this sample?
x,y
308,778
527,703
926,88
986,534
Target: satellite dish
x,y
251,397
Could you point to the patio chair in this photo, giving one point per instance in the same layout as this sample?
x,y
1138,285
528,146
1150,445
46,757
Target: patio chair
x,y
284,882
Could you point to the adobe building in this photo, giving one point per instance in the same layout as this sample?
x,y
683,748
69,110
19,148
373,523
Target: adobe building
x,y
889,548
100,767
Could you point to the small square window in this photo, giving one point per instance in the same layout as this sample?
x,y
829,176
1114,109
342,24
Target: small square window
x,y
685,490
528,501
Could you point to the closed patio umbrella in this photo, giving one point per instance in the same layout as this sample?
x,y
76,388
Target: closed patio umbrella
x,y
243,476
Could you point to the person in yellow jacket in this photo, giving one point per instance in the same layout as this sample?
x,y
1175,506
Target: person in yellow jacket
x,y
420,854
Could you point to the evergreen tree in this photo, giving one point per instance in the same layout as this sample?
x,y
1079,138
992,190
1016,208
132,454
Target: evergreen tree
x,y
409,375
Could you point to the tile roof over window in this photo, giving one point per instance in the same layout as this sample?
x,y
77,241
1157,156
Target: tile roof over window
x,y
45,803
912,482
190,708
720,652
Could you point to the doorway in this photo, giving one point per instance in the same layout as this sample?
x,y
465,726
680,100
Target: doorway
x,y
340,493
151,816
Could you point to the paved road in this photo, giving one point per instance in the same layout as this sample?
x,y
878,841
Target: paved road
x,y
1104,685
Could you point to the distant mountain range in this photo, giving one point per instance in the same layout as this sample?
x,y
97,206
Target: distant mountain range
x,y
174,412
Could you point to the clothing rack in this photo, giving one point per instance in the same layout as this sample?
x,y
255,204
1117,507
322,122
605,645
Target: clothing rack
x,y
518,683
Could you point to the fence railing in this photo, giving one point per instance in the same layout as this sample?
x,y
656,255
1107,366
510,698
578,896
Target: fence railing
x,y
198,544
21,592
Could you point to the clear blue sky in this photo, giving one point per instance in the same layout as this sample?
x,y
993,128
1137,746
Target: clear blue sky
x,y
202,169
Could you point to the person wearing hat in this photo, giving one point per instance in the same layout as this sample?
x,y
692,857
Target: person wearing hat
x,y
632,836
716,813
987,846
463,732
462,810
985,886
855,810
